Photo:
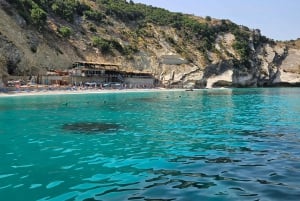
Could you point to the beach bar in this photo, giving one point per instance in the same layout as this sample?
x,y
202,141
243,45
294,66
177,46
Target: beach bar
x,y
92,72
83,73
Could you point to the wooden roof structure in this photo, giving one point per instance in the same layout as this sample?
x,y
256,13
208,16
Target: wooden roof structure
x,y
96,65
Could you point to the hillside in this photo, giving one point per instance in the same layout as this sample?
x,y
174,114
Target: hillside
x,y
178,49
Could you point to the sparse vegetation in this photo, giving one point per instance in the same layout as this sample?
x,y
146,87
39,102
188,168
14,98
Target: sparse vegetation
x,y
195,37
94,15
102,44
107,46
92,27
38,16
65,31
201,33
65,8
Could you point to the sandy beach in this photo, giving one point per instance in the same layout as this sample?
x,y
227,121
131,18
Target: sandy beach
x,y
79,91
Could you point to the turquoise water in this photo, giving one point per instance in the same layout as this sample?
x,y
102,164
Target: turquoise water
x,y
227,144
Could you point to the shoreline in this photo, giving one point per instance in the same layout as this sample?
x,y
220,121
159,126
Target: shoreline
x,y
80,91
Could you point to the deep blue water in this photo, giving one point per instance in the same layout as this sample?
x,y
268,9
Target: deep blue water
x,y
227,144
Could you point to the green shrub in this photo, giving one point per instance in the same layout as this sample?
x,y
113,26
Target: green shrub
x,y
94,15
129,50
38,16
31,11
208,18
65,8
102,44
65,31
92,27
116,45
107,46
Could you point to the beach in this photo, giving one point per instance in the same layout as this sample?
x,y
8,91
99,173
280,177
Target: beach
x,y
63,91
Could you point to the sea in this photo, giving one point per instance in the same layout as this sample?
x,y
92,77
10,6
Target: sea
x,y
210,144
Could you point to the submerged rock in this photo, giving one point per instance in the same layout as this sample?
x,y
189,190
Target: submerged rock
x,y
91,127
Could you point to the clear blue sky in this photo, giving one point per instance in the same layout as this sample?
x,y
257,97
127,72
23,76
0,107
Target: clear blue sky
x,y
277,19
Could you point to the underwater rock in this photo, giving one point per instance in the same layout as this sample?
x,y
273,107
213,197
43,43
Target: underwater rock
x,y
91,127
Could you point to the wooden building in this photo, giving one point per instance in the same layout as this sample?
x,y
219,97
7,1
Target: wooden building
x,y
83,72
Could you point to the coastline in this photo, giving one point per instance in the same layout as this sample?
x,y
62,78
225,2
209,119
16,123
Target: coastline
x,y
80,91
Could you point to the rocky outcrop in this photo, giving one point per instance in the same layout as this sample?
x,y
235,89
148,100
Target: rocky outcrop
x,y
289,70
272,65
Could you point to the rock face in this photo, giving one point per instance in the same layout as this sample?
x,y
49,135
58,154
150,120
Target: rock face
x,y
9,50
274,65
161,50
289,70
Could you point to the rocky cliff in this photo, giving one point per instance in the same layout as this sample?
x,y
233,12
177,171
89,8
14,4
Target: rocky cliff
x,y
179,50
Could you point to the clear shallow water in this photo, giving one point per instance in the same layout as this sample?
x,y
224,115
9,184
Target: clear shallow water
x,y
230,144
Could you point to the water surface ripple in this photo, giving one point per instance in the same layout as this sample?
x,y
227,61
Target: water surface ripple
x,y
217,145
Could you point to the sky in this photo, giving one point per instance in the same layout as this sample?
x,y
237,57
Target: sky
x,y
277,19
